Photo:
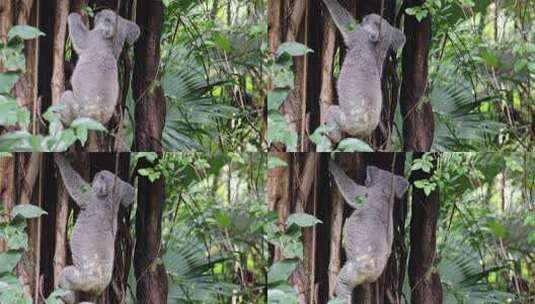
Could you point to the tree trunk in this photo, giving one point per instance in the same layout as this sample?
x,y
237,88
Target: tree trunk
x,y
150,272
148,94
7,188
416,111
423,277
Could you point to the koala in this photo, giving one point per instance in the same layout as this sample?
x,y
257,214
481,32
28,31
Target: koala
x,y
368,232
93,237
359,85
95,80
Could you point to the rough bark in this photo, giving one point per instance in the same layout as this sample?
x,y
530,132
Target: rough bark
x,y
423,277
60,32
416,111
6,20
150,272
7,188
327,58
27,172
148,94
278,194
274,22
58,86
306,202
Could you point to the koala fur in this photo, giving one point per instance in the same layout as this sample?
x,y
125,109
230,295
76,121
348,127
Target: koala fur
x,y
359,85
93,237
95,80
368,232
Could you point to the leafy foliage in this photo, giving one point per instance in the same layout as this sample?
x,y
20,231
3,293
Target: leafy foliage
x,y
213,226
279,131
214,86
12,232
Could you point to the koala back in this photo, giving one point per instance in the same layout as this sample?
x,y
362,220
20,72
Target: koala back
x,y
93,235
95,85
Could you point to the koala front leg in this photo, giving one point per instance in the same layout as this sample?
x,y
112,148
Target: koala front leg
x,y
78,32
334,120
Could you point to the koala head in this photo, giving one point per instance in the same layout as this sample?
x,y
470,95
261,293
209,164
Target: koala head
x,y
382,178
102,182
114,27
380,31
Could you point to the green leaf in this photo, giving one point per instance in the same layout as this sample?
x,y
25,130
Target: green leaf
x,y
27,211
281,270
222,219
418,12
15,236
353,145
15,141
81,134
52,113
337,301
276,97
279,131
275,162
302,220
496,228
425,185
320,138
55,296
489,58
24,32
293,49
222,42
7,81
62,141
282,294
11,113
8,260
89,124
293,250
150,156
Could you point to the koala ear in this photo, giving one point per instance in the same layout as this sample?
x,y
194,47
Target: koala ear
x,y
401,185
131,31
372,172
398,38
127,193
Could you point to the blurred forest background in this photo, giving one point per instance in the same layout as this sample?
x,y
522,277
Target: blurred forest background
x,y
195,73
194,235
463,234
463,82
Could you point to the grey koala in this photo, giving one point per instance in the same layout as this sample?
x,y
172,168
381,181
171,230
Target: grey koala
x,y
368,232
95,83
93,238
359,85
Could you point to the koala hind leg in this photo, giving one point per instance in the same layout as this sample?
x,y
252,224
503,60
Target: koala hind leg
x,y
73,278
71,110
348,278
333,120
